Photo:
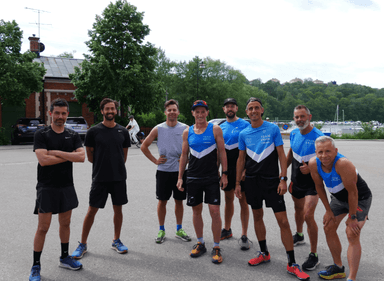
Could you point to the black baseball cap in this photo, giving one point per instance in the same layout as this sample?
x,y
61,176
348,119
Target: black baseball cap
x,y
230,100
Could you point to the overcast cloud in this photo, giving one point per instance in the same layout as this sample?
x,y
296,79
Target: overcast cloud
x,y
330,40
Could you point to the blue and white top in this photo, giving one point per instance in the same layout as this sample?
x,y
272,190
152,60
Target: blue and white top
x,y
231,131
203,158
335,185
303,149
260,145
169,143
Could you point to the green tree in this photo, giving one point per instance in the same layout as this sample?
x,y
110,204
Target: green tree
x,y
19,75
68,55
121,66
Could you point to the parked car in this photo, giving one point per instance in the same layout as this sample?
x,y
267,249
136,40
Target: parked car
x,y
25,128
217,121
78,124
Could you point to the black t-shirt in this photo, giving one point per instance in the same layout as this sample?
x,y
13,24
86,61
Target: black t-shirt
x,y
108,154
58,175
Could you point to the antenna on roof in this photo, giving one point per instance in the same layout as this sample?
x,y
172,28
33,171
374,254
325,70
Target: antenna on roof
x,y
41,48
38,22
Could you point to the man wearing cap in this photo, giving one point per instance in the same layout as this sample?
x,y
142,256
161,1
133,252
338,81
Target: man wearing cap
x,y
205,143
231,129
260,152
133,128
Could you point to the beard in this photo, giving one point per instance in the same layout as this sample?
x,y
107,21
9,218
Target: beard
x,y
109,116
306,123
230,114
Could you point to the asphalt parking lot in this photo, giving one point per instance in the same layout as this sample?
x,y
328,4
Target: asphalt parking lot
x,y
147,260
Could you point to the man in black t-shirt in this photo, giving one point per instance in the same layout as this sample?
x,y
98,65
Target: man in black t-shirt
x,y
107,148
56,147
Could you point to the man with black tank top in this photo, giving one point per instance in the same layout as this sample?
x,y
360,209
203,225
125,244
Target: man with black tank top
x,y
169,136
107,148
350,195
205,143
56,147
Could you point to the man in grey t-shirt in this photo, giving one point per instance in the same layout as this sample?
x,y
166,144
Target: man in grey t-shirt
x,y
169,143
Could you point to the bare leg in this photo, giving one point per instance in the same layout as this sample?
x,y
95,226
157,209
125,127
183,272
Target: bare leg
x,y
64,222
244,214
88,222
285,230
299,213
259,225
42,229
179,211
161,211
216,222
309,217
198,220
229,208
354,251
333,240
117,220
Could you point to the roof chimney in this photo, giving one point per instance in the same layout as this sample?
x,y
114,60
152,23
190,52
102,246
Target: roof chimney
x,y
34,44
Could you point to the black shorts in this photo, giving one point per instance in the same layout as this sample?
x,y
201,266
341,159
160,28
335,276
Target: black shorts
x,y
99,193
339,207
196,188
260,188
232,181
55,200
166,184
299,193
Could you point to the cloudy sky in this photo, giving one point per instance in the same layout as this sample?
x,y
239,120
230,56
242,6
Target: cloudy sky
x,y
330,40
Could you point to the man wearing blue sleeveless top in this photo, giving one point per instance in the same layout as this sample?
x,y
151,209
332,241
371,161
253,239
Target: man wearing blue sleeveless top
x,y
302,187
260,151
169,143
205,143
350,195
231,130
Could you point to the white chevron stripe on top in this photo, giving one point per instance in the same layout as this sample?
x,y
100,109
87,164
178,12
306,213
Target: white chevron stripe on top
x,y
306,158
204,152
260,157
336,188
232,146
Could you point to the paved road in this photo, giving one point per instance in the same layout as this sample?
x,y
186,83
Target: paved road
x,y
169,261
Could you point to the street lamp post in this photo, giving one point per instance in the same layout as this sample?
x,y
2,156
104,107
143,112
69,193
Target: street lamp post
x,y
199,65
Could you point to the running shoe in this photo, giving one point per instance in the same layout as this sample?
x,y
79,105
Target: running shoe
x,y
244,243
80,251
226,234
332,272
216,255
349,279
35,273
198,250
70,263
182,235
160,237
119,247
298,239
311,263
295,270
261,258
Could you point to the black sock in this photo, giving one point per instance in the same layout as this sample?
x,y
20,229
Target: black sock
x,y
36,258
64,250
263,247
291,257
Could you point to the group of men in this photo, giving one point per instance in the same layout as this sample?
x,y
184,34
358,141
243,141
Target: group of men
x,y
188,167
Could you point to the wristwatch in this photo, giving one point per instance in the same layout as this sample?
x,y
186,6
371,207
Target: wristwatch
x,y
283,178
225,173
352,217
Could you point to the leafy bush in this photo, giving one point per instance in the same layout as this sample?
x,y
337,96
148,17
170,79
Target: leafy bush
x,y
368,133
4,140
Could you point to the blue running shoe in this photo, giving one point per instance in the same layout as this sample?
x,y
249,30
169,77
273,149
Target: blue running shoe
x,y
80,251
119,247
70,263
332,272
35,273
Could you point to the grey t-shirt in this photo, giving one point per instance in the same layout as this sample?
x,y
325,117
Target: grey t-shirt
x,y
169,143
